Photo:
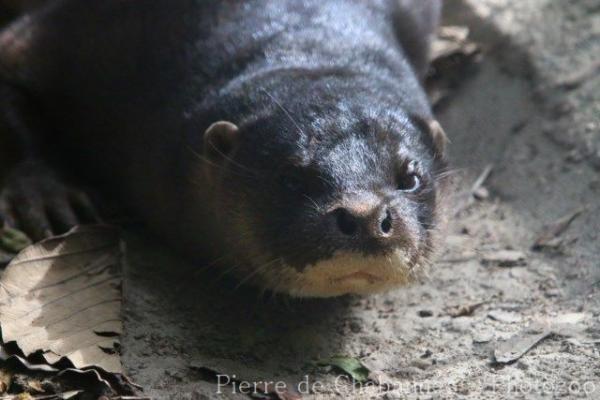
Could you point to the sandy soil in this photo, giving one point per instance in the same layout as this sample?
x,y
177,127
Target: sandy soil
x,y
513,112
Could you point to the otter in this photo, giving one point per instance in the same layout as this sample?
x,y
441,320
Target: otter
x,y
289,141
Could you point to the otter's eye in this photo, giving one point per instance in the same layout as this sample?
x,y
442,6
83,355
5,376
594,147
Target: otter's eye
x,y
408,180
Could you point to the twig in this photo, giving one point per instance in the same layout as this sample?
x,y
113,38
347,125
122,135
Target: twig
x,y
479,182
465,310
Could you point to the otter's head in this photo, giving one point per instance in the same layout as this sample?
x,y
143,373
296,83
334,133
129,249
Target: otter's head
x,y
326,202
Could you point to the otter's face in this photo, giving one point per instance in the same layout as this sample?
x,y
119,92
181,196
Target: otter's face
x,y
345,209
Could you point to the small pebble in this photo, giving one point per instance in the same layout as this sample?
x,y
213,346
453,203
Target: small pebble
x,y
481,193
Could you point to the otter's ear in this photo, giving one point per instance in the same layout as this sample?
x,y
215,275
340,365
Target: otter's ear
x,y
220,139
438,136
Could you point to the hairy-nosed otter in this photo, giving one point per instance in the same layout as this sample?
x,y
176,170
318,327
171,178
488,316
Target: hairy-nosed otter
x,y
294,137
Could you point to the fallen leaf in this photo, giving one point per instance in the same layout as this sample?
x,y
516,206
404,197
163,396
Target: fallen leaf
x,y
83,255
505,258
56,295
116,383
517,346
351,366
549,237
464,310
8,358
564,325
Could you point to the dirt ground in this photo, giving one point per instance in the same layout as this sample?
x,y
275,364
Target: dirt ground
x,y
531,111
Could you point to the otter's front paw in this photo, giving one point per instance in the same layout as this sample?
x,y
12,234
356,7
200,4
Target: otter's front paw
x,y
37,202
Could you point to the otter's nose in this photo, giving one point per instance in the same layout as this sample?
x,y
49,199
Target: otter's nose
x,y
377,222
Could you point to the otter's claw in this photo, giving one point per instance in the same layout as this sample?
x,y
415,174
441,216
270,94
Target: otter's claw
x,y
35,201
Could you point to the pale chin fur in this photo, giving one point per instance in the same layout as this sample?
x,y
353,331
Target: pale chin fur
x,y
349,273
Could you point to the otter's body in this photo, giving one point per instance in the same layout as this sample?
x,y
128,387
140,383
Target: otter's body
x,y
324,104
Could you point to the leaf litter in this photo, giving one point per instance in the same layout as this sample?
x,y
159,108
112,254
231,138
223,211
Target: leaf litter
x,y
60,315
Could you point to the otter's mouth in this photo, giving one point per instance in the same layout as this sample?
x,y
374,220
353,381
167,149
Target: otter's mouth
x,y
348,273
357,276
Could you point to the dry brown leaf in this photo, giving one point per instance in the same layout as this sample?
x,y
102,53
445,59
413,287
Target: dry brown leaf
x,y
464,310
550,234
63,296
